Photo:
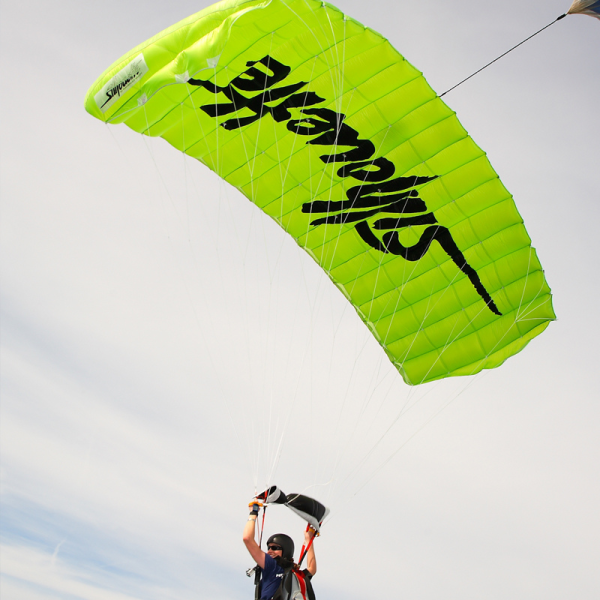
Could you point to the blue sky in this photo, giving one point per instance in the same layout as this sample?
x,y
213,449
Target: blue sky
x,y
134,413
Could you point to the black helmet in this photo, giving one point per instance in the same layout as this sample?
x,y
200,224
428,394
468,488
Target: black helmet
x,y
286,543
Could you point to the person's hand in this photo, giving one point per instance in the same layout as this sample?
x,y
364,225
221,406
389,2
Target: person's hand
x,y
255,506
309,534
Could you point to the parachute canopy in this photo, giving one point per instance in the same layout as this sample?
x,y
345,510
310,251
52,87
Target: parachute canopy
x,y
585,7
323,125
309,509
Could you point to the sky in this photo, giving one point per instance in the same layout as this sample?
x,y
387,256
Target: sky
x,y
166,350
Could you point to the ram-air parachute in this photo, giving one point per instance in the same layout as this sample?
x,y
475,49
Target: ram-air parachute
x,y
323,125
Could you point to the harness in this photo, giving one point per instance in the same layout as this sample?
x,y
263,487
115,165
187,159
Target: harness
x,y
295,584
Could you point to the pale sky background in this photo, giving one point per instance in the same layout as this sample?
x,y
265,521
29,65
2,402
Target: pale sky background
x,y
155,327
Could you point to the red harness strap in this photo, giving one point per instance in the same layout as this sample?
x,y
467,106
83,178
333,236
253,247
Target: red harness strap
x,y
301,581
304,551
303,548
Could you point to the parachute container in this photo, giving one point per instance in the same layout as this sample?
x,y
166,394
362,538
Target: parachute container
x,y
323,125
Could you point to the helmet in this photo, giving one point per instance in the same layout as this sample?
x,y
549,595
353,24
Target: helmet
x,y
286,543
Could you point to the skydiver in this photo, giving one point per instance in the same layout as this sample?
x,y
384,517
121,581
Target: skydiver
x,y
279,555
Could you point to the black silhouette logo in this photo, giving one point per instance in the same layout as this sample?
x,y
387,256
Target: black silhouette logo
x,y
377,193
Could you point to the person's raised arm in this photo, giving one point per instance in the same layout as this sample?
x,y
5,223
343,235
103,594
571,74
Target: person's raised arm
x,y
250,534
311,561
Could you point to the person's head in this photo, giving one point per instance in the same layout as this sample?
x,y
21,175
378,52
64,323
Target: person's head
x,y
282,545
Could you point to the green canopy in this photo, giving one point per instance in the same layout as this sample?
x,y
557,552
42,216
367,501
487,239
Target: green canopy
x,y
323,125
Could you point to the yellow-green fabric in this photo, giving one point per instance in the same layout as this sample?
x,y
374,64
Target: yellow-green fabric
x,y
322,124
